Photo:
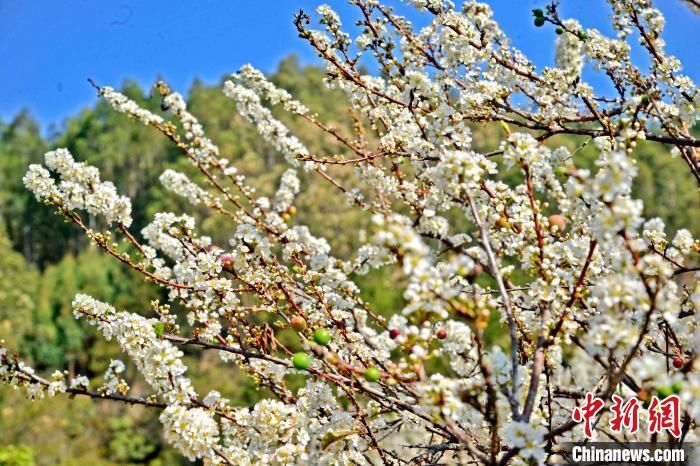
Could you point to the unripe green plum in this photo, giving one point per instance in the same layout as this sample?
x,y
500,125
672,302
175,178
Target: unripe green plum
x,y
322,336
372,374
301,361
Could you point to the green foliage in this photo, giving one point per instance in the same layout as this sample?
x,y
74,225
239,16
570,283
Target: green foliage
x,y
666,189
17,293
386,300
130,443
57,338
16,456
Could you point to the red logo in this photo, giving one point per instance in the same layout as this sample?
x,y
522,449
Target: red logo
x,y
625,415
586,412
664,415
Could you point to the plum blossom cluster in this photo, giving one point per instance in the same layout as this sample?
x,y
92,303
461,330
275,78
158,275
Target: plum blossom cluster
x,y
79,188
584,294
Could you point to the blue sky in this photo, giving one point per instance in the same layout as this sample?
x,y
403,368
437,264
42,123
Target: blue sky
x,y
48,48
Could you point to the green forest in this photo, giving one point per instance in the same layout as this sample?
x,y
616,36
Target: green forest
x,y
44,262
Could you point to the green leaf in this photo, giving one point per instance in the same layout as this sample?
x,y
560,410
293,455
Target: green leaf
x,y
159,327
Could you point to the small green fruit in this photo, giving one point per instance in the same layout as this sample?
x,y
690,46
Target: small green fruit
x,y
372,374
676,387
159,328
562,171
322,336
559,31
301,361
539,21
664,391
538,12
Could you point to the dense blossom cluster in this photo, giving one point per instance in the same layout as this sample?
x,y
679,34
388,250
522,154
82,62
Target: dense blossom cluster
x,y
591,296
79,188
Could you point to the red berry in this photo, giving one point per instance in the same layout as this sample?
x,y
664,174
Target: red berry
x,y
393,333
226,261
677,363
442,334
298,323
